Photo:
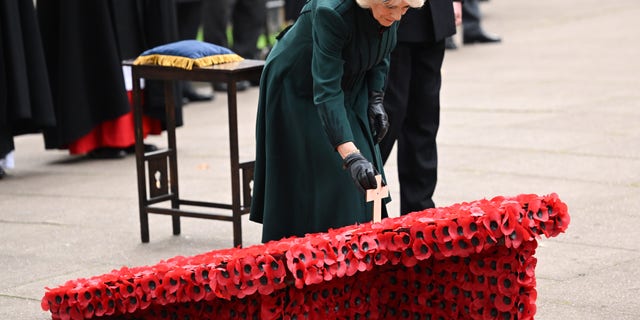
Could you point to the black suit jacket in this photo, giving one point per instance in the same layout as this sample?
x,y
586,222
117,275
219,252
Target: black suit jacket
x,y
433,22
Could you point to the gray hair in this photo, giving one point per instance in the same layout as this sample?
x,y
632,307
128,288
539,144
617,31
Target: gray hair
x,y
412,3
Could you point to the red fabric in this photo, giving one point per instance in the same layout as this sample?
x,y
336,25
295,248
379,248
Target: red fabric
x,y
117,133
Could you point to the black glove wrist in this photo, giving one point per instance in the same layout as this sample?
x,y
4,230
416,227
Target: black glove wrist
x,y
378,119
362,171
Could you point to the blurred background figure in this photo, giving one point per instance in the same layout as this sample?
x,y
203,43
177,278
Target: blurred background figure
x,y
472,30
245,19
189,21
412,99
84,44
26,105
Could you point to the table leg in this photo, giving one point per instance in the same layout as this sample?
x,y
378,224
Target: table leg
x,y
235,165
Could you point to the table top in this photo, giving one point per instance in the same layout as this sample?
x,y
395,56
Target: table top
x,y
246,69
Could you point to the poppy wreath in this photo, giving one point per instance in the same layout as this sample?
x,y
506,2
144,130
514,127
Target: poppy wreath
x,y
471,260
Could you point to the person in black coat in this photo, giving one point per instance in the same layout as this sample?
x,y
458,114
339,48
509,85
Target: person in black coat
x,y
84,44
26,105
412,99
472,31
189,14
247,19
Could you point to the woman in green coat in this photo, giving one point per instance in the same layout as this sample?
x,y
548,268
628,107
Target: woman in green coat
x,y
320,117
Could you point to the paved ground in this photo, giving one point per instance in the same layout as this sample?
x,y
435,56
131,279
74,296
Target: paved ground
x,y
554,108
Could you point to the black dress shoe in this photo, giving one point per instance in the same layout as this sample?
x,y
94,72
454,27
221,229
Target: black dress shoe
x,y
107,153
2,173
240,86
480,37
194,96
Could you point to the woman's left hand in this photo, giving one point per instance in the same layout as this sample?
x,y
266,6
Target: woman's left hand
x,y
378,119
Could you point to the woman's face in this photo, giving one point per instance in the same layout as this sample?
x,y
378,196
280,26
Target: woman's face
x,y
388,12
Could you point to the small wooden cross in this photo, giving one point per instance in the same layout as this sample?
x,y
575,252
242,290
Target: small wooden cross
x,y
376,195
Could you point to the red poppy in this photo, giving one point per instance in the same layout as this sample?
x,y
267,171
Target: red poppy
x,y
149,285
515,238
504,303
83,296
408,258
249,268
385,238
445,230
492,220
462,247
367,243
314,275
527,305
508,284
562,219
478,266
542,214
467,227
478,242
399,241
420,249
526,275
352,264
300,254
512,213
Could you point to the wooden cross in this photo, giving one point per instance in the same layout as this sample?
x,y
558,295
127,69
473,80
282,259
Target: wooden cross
x,y
376,195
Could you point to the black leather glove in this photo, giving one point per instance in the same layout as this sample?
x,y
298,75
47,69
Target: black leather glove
x,y
362,171
378,119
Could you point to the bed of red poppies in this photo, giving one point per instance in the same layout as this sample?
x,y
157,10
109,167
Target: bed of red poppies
x,y
471,260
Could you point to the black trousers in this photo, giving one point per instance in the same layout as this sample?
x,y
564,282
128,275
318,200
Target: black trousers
x,y
412,102
247,17
471,17
189,18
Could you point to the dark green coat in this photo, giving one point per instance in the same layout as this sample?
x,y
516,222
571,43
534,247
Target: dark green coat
x,y
313,97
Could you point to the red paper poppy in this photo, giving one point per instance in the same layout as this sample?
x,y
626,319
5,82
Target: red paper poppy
x,y
352,264
505,303
508,284
511,217
517,237
527,305
399,241
492,221
149,285
467,227
478,242
172,279
542,214
408,258
420,249
445,229
367,243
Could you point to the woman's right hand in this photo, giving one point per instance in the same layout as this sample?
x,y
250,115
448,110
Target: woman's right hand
x,y
362,171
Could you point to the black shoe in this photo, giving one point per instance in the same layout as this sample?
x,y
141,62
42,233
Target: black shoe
x,y
147,148
2,173
450,44
107,153
191,95
240,86
480,37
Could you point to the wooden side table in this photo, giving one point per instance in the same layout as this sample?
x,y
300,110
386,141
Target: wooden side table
x,y
159,169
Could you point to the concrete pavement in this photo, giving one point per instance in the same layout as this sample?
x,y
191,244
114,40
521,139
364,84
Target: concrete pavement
x,y
554,108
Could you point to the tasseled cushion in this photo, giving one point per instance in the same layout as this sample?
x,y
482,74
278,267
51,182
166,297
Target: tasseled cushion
x,y
186,54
